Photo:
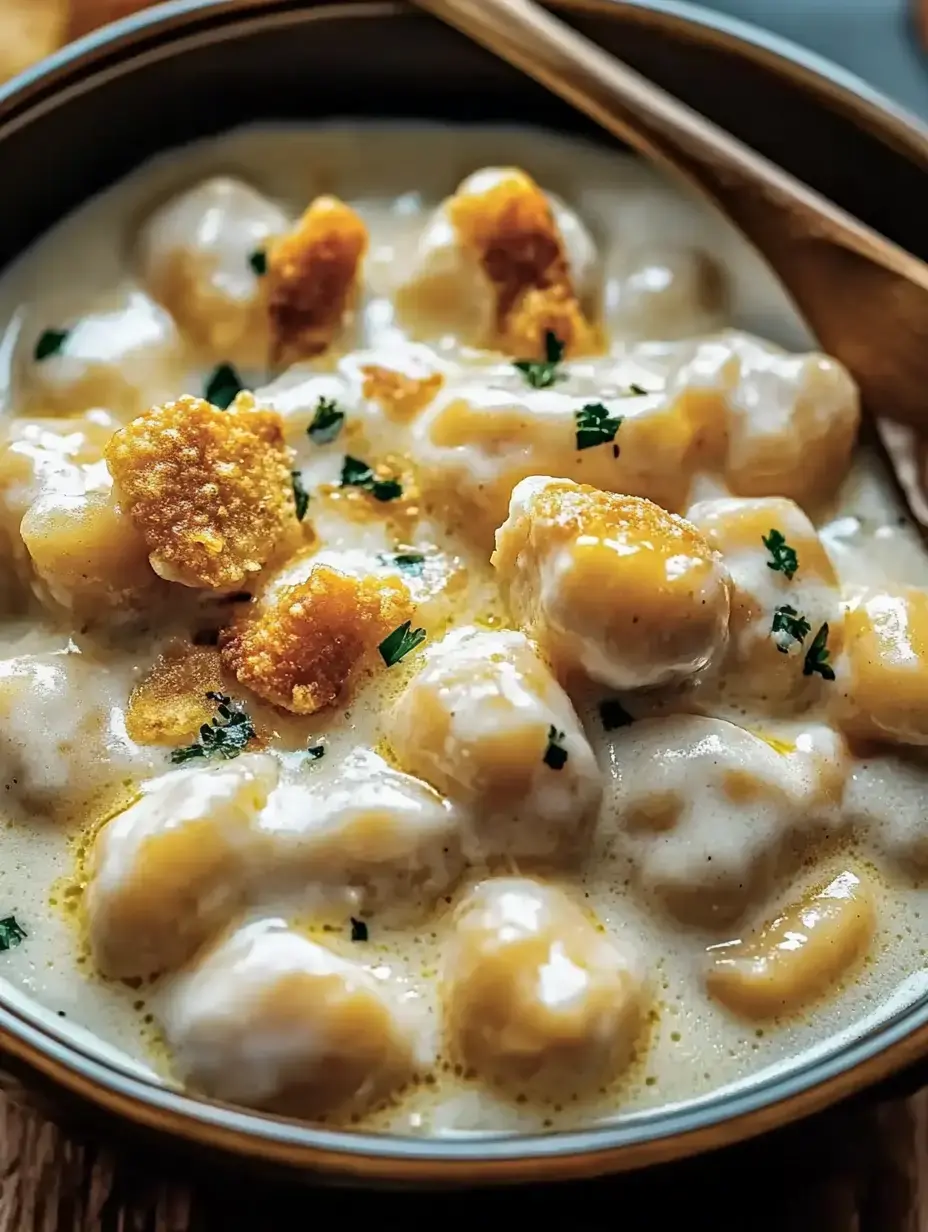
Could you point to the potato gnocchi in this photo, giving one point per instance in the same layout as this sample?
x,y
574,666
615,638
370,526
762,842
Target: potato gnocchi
x,y
454,678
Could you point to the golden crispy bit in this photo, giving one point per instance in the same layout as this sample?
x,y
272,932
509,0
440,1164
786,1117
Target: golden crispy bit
x,y
312,278
170,705
512,231
302,651
402,397
210,490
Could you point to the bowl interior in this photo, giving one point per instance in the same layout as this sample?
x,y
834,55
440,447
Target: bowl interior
x,y
154,83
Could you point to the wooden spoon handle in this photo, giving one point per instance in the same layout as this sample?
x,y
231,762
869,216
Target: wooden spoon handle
x,y
743,183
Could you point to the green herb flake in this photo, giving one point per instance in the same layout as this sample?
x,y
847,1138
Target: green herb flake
x,y
11,933
258,262
595,425
327,422
358,929
788,628
224,736
51,342
223,387
817,656
555,754
400,642
637,390
543,373
315,751
614,715
408,562
783,558
300,495
357,474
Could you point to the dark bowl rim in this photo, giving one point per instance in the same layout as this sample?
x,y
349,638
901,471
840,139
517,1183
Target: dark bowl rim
x,y
642,1138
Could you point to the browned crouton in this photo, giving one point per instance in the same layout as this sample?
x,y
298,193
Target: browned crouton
x,y
512,231
300,653
312,278
210,490
171,704
402,397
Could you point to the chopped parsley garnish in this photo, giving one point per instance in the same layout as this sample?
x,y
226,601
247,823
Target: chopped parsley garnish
x,y
595,425
357,474
327,422
50,343
300,495
358,929
614,715
783,558
788,627
258,261
400,642
543,373
223,387
11,933
224,736
315,751
636,389
409,562
555,754
817,656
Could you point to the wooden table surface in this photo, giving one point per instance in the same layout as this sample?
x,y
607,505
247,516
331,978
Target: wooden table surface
x,y
860,1168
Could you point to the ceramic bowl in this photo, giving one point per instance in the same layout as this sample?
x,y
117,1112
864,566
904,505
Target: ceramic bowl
x,y
91,113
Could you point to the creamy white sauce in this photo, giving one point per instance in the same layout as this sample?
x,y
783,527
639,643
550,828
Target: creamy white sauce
x,y
78,682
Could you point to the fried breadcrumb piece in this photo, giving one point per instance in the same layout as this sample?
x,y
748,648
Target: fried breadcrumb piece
x,y
300,653
171,704
512,231
210,490
400,396
312,279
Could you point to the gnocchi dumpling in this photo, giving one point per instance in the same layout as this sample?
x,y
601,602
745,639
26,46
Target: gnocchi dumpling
x,y
486,723
613,586
273,1020
537,996
499,263
122,353
202,255
88,557
791,420
172,869
885,684
477,441
76,705
799,956
388,841
667,292
707,812
64,456
787,619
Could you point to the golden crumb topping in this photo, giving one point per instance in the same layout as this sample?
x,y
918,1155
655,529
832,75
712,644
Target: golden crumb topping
x,y
400,396
210,490
171,704
512,231
301,652
312,278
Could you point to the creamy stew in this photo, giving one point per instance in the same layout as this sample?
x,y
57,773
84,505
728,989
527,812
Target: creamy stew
x,y
457,674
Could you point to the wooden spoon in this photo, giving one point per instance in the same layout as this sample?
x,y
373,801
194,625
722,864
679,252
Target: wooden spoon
x,y
864,298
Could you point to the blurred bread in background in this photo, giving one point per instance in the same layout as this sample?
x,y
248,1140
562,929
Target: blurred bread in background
x,y
31,29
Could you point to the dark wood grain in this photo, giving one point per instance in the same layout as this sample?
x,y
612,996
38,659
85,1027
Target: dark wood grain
x,y
857,1169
